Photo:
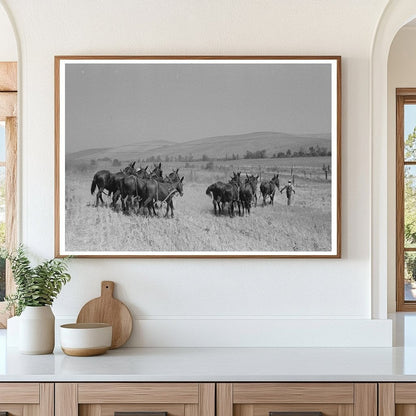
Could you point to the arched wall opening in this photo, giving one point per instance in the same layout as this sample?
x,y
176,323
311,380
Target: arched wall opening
x,y
396,15
347,278
401,73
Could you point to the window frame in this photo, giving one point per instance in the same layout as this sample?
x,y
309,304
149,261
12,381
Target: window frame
x,y
403,96
8,113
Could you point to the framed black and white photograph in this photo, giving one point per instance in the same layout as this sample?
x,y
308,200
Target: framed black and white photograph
x,y
198,156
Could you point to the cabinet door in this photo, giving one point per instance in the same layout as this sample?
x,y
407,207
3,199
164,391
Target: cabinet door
x,y
142,399
26,399
297,399
397,399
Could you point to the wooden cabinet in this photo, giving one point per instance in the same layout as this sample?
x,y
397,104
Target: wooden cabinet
x,y
107,399
397,399
27,399
208,399
263,399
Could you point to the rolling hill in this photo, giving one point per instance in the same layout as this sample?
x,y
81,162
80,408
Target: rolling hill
x,y
213,147
123,152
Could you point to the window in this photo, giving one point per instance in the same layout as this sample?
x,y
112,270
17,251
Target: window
x,y
8,167
406,199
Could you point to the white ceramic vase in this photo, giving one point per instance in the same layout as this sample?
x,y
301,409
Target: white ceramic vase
x,y
37,330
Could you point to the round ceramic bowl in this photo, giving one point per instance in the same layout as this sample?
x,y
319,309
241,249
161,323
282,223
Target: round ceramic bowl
x,y
83,340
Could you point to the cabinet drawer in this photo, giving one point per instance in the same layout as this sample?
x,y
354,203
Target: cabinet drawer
x,y
297,399
19,393
146,399
138,393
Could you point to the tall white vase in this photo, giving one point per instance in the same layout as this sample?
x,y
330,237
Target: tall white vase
x,y
37,330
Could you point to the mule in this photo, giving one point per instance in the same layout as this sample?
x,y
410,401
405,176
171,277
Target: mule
x,y
164,192
143,173
100,181
252,180
173,176
105,180
130,169
157,172
215,191
129,193
140,173
246,196
231,194
116,183
268,188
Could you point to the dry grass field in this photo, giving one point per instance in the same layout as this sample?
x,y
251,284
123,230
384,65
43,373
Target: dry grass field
x,y
303,226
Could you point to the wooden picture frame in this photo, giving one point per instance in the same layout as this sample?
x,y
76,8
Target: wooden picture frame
x,y
207,119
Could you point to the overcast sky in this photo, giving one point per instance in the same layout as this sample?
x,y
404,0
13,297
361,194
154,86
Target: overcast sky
x,y
114,104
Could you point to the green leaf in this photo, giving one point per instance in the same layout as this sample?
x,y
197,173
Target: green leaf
x,y
35,286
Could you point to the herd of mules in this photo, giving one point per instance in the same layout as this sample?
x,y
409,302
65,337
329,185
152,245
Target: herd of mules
x,y
142,190
138,189
241,192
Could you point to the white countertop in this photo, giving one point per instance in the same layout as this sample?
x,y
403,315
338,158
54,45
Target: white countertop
x,y
221,364
215,364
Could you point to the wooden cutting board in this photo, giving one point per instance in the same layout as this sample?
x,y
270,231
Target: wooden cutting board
x,y
107,309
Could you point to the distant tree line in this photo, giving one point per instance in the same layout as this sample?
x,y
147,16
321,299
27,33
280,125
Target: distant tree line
x,y
115,162
257,154
311,152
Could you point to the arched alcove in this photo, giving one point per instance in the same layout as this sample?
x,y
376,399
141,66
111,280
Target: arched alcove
x,y
401,74
396,15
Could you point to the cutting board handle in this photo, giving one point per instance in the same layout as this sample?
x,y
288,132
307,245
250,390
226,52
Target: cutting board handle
x,y
107,288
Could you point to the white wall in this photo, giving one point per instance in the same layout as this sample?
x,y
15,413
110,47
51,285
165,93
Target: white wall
x,y
8,47
275,301
401,74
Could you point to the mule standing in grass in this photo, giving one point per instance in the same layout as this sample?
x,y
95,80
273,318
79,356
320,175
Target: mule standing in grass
x,y
129,193
247,190
268,188
116,184
133,191
132,187
252,180
215,191
225,193
164,192
100,181
105,180
231,194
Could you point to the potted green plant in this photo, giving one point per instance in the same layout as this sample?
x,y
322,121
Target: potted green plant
x,y
36,289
